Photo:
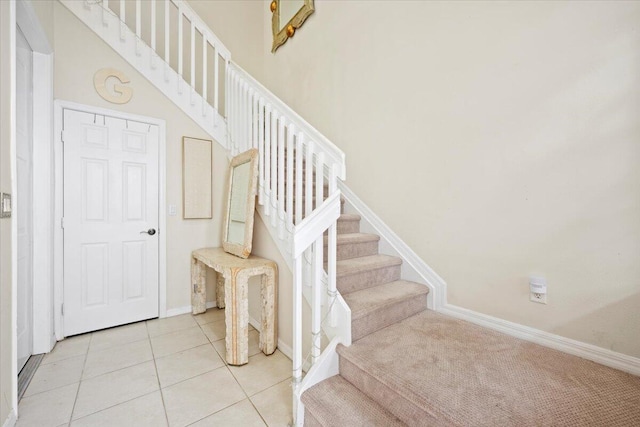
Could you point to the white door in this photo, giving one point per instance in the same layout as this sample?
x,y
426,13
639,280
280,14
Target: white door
x,y
110,202
24,144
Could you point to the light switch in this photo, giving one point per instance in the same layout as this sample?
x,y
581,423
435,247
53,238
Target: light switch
x,y
5,206
173,210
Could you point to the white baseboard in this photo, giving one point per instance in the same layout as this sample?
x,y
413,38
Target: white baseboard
x,y
284,348
413,267
566,345
186,309
11,419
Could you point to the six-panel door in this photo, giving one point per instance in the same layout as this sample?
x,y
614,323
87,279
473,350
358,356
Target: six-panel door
x,y
110,202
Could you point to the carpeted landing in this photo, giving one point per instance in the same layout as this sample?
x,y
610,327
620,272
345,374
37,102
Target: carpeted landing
x,y
431,369
411,366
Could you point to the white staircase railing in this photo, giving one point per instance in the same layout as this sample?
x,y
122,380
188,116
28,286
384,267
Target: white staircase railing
x,y
299,168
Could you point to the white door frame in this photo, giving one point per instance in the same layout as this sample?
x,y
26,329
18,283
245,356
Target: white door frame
x,y
42,162
60,106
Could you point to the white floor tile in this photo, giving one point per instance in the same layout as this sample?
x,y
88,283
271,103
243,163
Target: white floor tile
x,y
241,414
110,389
211,315
170,324
275,404
56,374
187,364
114,358
199,397
51,408
177,341
118,336
215,331
262,372
120,385
144,411
68,347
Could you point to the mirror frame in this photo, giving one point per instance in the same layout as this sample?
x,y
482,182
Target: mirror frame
x,y
280,36
242,250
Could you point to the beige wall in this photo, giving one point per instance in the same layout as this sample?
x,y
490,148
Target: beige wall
x,y
79,53
7,380
504,138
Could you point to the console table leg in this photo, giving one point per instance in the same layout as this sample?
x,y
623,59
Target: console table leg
x,y
220,291
199,291
268,291
237,318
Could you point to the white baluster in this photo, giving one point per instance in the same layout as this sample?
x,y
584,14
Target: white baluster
x,y
215,77
138,27
308,194
291,130
267,158
205,46
153,34
105,11
255,116
299,183
297,322
123,20
192,52
261,151
316,299
180,49
281,195
319,179
332,252
167,27
274,167
227,103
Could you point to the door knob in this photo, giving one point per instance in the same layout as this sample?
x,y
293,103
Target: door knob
x,y
150,231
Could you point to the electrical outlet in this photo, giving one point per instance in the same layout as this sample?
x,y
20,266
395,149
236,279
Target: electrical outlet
x,y
539,298
173,210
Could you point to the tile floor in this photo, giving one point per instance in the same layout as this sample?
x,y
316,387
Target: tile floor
x,y
157,373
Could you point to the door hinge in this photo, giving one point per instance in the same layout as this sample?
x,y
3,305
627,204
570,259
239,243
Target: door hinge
x,y
62,136
62,309
62,222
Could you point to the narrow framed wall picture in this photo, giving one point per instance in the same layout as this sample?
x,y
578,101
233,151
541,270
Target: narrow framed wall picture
x,y
197,200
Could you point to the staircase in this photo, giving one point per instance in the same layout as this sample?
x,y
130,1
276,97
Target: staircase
x,y
371,285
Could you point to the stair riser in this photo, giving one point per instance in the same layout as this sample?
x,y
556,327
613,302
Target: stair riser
x,y
389,399
355,250
368,279
345,227
386,316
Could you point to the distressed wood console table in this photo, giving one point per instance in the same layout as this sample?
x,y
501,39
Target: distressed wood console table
x,y
232,293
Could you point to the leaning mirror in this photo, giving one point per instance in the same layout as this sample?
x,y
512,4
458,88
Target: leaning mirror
x,y
241,200
288,16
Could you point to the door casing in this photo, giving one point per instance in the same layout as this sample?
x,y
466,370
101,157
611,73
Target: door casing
x,y
60,106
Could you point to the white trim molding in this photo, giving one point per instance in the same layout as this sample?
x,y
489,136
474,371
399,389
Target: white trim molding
x,y
185,309
566,345
413,267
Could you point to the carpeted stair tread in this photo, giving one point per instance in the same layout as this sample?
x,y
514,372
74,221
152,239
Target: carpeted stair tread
x,y
350,238
436,370
336,402
366,301
354,245
349,217
348,267
364,272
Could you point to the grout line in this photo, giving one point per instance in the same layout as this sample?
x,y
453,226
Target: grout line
x,y
155,365
75,401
